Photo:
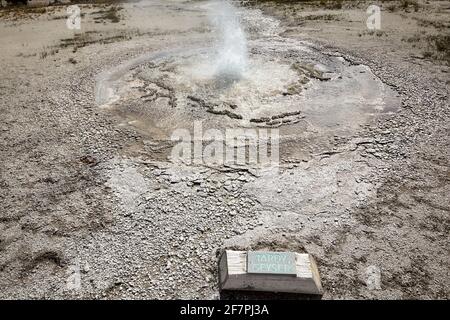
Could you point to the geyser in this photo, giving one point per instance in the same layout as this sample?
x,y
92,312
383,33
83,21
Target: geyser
x,y
230,61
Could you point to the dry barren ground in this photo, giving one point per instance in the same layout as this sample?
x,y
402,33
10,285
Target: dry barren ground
x,y
86,194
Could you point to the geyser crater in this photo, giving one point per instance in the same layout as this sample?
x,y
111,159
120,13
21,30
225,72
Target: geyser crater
x,y
262,82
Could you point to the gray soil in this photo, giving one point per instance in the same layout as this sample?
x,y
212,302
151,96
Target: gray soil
x,y
88,192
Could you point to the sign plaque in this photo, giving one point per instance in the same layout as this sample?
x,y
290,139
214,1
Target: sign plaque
x,y
276,263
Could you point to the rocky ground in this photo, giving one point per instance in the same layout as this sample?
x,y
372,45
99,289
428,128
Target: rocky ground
x,y
89,211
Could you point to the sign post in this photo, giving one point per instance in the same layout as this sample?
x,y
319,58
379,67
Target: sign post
x,y
269,271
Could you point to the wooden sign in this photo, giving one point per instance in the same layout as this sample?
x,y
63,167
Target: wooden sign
x,y
269,271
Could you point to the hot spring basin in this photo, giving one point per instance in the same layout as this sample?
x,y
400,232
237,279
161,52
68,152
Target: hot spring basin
x,y
309,96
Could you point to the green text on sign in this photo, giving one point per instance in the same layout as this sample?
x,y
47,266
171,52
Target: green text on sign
x,y
280,263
